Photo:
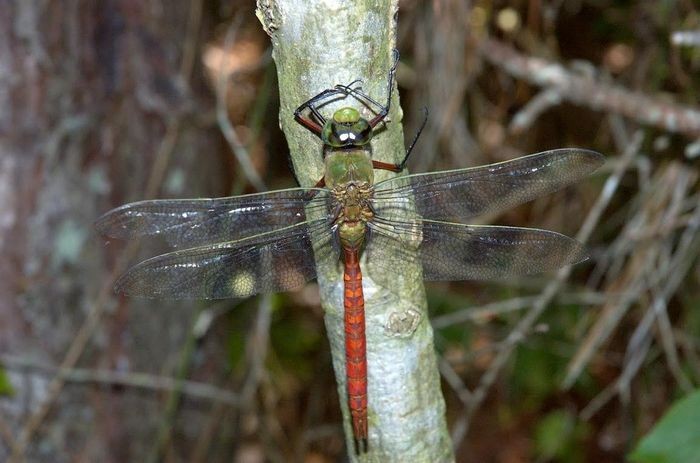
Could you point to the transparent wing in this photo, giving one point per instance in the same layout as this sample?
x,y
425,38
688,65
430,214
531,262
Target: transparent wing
x,y
193,222
450,251
281,260
456,195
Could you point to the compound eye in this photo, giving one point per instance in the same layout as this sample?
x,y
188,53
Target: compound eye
x,y
331,136
362,131
344,134
339,135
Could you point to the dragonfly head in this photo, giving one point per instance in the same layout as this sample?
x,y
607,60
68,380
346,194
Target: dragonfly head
x,y
346,128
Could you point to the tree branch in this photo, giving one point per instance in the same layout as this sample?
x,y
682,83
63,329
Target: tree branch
x,y
591,92
316,45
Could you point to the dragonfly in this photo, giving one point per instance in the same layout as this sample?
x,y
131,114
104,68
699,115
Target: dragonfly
x,y
239,246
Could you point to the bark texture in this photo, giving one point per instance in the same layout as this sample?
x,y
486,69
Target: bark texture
x,y
89,90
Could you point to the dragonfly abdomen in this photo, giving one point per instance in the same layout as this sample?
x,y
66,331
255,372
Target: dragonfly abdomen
x,y
355,345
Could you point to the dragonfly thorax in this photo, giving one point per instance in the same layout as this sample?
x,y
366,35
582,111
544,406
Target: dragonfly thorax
x,y
346,129
353,202
343,167
354,211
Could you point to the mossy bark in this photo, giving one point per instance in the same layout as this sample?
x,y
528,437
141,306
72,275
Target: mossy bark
x,y
317,44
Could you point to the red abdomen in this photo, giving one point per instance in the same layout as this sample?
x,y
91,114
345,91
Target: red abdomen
x,y
355,346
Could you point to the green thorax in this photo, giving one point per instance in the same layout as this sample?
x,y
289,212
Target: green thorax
x,y
348,165
350,176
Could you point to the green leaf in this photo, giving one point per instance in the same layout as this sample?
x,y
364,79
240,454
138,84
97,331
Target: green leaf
x,y
6,388
676,437
553,433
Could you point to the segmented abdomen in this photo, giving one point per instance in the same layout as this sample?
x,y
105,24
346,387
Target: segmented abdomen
x,y
355,343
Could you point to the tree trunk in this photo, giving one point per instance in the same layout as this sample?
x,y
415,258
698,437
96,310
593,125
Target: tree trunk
x,y
318,44
89,91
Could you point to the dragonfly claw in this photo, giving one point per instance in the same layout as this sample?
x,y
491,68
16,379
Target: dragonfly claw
x,y
348,88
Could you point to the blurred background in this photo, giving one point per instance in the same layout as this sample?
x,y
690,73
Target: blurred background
x,y
120,100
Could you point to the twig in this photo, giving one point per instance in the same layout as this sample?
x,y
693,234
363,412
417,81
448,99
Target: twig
x,y
172,130
588,91
455,381
71,358
686,38
689,345
127,379
685,255
162,159
172,402
511,305
524,118
256,353
199,454
525,325
6,434
642,270
692,150
189,49
239,150
459,428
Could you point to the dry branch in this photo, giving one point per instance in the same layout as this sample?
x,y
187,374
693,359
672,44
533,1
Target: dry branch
x,y
126,379
592,92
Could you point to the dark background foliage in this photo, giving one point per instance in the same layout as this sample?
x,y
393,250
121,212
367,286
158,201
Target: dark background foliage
x,y
113,101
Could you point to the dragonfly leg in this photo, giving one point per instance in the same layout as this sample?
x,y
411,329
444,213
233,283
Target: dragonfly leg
x,y
314,126
383,109
348,88
386,166
415,138
400,166
360,95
